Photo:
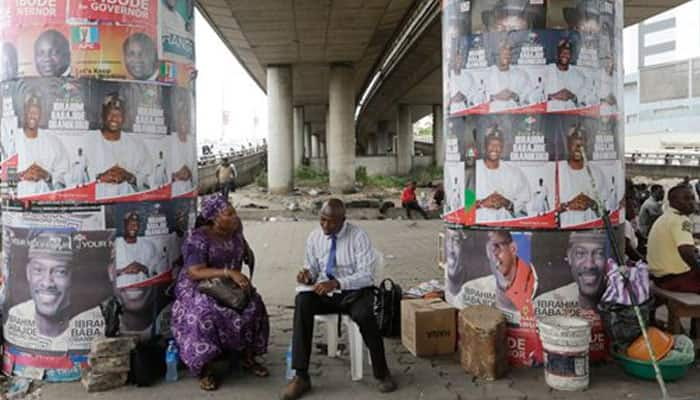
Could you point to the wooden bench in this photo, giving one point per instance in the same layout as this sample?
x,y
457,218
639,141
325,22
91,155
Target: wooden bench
x,y
680,305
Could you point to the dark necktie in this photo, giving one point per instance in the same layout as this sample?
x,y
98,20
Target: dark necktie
x,y
330,265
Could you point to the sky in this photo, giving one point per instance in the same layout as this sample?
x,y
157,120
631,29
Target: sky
x,y
223,85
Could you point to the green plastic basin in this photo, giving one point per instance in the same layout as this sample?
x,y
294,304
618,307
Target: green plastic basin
x,y
671,371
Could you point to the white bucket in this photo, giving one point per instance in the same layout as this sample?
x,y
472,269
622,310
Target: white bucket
x,y
566,342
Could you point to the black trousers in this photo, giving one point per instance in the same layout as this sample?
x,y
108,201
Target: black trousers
x,y
227,187
309,304
413,205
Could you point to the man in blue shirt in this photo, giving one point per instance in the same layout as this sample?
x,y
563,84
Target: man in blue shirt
x,y
339,276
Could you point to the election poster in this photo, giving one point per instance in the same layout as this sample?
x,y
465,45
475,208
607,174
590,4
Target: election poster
x,y
506,16
123,12
176,30
43,51
514,171
51,315
147,248
115,52
86,140
528,275
24,13
591,176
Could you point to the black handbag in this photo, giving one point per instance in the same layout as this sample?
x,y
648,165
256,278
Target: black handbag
x,y
387,308
226,292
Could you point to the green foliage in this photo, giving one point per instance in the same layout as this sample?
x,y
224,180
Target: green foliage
x,y
261,178
310,176
426,175
361,174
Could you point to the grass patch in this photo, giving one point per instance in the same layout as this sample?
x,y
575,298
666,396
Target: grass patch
x,y
309,176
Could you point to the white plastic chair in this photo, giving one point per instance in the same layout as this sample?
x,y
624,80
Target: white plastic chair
x,y
356,345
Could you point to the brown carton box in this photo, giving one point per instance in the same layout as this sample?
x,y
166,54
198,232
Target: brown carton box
x,y
428,327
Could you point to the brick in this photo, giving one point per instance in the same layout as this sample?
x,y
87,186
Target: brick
x,y
112,346
109,364
483,344
102,382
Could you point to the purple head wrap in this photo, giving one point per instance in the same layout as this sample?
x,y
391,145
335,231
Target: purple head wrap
x,y
212,206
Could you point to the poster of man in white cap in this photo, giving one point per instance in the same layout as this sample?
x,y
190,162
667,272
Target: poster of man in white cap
x,y
507,15
515,173
43,162
121,162
51,311
565,84
585,186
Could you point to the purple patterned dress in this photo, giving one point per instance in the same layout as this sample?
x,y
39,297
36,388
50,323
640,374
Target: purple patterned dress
x,y
202,328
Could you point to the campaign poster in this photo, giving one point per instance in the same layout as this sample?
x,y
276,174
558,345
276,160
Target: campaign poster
x,y
147,248
182,161
57,277
176,30
454,192
177,73
9,58
9,128
23,13
44,51
115,52
131,12
514,173
573,78
590,179
529,275
506,16
467,76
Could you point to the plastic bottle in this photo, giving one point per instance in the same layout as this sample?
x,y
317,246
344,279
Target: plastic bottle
x,y
290,371
171,358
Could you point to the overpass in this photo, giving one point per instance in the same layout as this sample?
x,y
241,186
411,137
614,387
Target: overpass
x,y
320,60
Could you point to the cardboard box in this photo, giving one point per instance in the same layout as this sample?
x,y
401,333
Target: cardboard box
x,y
428,327
483,347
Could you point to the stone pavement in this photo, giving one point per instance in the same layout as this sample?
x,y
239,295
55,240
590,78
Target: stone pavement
x,y
410,251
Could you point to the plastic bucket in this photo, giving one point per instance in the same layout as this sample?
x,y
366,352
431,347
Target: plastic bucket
x,y
566,342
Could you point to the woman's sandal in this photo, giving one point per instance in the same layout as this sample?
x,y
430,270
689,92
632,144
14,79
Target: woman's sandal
x,y
256,368
208,382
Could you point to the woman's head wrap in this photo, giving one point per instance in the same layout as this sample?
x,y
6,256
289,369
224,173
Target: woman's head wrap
x,y
212,206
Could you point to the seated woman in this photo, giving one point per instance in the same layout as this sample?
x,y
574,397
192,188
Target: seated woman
x,y
203,329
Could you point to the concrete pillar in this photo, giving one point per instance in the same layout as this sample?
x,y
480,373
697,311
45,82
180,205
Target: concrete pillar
x,y
404,150
341,128
438,136
314,146
307,140
323,149
382,136
298,136
372,144
280,131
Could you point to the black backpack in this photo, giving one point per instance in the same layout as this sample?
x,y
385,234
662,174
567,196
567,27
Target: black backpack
x,y
387,308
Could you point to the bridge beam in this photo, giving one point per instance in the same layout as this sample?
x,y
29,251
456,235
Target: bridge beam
x,y
280,133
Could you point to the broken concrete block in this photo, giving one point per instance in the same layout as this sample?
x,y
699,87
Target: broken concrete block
x,y
101,382
109,364
116,346
483,347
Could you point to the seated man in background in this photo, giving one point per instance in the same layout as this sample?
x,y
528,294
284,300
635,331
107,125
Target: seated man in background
x,y
409,201
671,252
339,272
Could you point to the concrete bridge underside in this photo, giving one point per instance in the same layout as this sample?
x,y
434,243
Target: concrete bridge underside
x,y
316,59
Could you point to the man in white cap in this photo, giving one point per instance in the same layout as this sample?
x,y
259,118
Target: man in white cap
x,y
576,192
563,82
506,84
502,190
42,161
49,272
121,163
137,260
